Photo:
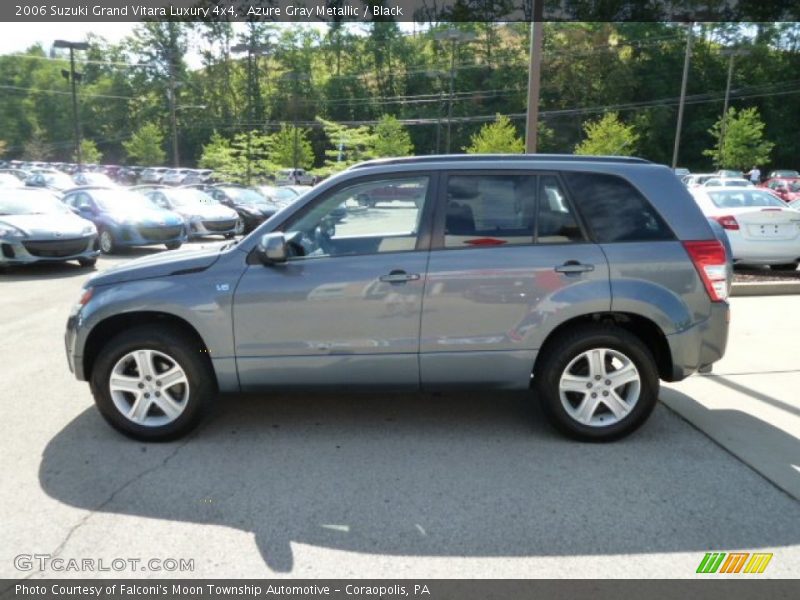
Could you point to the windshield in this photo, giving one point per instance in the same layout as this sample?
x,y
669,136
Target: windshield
x,y
244,195
121,200
94,178
189,198
31,203
57,179
744,199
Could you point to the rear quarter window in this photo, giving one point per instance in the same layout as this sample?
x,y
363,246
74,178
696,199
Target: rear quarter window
x,y
615,211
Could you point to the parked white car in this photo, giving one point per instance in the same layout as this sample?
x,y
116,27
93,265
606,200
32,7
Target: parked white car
x,y
698,179
727,182
762,230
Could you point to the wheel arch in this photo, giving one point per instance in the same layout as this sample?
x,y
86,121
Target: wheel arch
x,y
106,329
642,327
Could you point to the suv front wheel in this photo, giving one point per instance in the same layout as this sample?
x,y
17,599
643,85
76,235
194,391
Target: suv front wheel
x,y
152,384
597,383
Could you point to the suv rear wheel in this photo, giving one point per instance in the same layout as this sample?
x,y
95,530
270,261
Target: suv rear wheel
x,y
597,383
152,383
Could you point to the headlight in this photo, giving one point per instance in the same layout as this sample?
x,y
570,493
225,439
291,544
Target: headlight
x,y
7,231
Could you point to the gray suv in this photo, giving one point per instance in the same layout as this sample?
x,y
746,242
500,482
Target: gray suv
x,y
585,280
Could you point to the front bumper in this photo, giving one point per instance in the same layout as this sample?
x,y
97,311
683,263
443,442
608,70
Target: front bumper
x,y
214,227
15,251
698,347
135,235
70,336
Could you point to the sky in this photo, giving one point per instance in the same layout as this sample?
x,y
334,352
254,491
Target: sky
x,y
16,37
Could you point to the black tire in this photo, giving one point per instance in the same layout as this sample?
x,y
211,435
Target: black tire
x,y
184,351
561,352
89,263
173,245
230,236
785,267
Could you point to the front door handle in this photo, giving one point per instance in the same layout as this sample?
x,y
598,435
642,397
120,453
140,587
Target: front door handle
x,y
572,267
399,276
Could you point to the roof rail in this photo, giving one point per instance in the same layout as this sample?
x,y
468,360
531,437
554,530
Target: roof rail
x,y
467,158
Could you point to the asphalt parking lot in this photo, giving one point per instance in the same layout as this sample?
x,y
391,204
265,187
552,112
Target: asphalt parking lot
x,y
433,486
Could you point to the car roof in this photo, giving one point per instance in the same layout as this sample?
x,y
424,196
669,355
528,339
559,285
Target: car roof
x,y
499,158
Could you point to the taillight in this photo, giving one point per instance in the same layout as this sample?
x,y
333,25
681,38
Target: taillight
x,y
712,265
727,222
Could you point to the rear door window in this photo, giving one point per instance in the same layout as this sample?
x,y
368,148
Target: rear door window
x,y
614,210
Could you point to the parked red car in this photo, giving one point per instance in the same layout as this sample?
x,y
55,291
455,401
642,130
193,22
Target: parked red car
x,y
786,189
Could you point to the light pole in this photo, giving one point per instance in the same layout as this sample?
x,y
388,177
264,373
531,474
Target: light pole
x,y
438,75
534,79
295,78
453,36
73,79
686,58
731,53
253,50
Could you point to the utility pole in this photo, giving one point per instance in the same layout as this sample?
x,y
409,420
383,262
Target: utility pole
x,y
253,50
534,78
295,78
731,53
171,92
453,36
173,113
73,77
686,59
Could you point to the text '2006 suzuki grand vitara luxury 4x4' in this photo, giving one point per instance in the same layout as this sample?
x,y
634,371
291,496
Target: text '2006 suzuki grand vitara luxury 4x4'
x,y
583,279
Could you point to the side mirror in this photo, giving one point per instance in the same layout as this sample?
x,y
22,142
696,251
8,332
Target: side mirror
x,y
272,248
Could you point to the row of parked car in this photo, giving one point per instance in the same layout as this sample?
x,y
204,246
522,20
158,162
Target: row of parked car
x,y
47,224
63,175
762,221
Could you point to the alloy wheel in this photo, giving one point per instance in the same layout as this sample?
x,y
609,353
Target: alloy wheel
x,y
599,387
149,388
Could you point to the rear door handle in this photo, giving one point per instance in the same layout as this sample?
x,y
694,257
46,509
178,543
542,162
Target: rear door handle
x,y
398,276
572,267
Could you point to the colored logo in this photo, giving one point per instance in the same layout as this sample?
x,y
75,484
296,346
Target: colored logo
x,y
734,562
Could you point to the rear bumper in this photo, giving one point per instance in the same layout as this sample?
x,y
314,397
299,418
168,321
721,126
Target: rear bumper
x,y
763,252
701,345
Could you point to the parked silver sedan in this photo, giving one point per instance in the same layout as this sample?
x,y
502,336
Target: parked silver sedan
x,y
203,215
35,226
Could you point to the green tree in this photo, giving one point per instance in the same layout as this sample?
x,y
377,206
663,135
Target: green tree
x,y
145,145
500,137
348,145
2,147
36,148
608,136
90,153
229,157
217,153
391,138
290,147
743,144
